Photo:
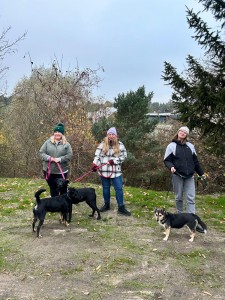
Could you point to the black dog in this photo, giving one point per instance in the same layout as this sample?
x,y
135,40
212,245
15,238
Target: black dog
x,y
62,204
62,185
168,221
82,194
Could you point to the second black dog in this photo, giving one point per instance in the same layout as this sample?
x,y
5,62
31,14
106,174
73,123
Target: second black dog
x,y
82,194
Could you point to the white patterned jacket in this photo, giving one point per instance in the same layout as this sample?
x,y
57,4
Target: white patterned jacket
x,y
108,170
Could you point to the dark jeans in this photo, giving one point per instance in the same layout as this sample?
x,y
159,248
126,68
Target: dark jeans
x,y
117,183
52,184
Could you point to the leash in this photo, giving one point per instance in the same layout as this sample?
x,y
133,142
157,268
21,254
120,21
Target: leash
x,y
182,176
81,177
166,198
48,172
203,179
102,174
85,174
60,169
167,192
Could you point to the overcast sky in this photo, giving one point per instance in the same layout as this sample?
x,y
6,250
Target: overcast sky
x,y
130,39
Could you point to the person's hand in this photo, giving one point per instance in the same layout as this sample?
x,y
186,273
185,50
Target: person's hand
x,y
55,159
94,167
111,162
173,170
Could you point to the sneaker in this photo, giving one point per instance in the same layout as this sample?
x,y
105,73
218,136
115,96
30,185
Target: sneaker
x,y
122,210
105,207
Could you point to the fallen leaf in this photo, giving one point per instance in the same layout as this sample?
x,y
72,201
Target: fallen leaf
x,y
207,293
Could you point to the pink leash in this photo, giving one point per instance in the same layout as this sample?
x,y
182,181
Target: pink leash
x,y
101,173
79,178
49,170
99,167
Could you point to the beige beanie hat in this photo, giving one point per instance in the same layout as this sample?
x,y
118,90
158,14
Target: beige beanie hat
x,y
185,129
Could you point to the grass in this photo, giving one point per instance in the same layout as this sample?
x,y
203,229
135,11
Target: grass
x,y
7,248
17,194
118,251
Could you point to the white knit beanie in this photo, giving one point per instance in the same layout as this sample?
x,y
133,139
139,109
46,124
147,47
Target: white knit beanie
x,y
112,130
185,129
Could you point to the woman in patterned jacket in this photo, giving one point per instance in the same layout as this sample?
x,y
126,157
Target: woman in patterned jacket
x,y
111,153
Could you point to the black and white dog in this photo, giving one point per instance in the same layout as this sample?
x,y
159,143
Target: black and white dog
x,y
169,220
62,204
80,195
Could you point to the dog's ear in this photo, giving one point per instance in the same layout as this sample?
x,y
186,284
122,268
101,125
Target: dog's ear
x,y
165,212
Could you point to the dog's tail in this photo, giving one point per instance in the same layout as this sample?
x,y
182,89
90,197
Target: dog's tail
x,y
38,193
201,226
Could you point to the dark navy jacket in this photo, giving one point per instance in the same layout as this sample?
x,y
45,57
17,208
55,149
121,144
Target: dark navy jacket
x,y
183,158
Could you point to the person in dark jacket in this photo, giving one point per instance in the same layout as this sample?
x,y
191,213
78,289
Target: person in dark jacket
x,y
56,153
182,161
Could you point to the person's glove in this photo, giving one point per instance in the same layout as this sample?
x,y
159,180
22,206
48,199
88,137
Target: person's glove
x,y
94,167
203,179
111,162
204,176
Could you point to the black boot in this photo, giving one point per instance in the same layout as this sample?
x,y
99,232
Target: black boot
x,y
105,207
122,210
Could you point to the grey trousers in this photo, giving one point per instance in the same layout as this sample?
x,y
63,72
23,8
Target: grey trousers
x,y
184,188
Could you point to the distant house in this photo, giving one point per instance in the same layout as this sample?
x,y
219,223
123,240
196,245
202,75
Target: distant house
x,y
103,112
162,117
109,111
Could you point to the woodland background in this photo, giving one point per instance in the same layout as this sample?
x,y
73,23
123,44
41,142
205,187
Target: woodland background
x,y
52,95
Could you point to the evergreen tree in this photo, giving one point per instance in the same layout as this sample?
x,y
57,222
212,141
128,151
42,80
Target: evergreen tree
x,y
199,94
100,128
135,130
131,119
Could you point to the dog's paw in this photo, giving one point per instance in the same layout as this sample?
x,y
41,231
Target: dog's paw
x,y
99,218
165,238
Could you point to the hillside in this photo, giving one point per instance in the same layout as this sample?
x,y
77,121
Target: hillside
x,y
115,258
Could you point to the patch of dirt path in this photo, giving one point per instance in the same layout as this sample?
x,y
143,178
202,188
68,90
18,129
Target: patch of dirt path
x,y
117,257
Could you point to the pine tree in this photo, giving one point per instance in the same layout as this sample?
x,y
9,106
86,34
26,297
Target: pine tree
x,y
131,117
135,129
199,94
